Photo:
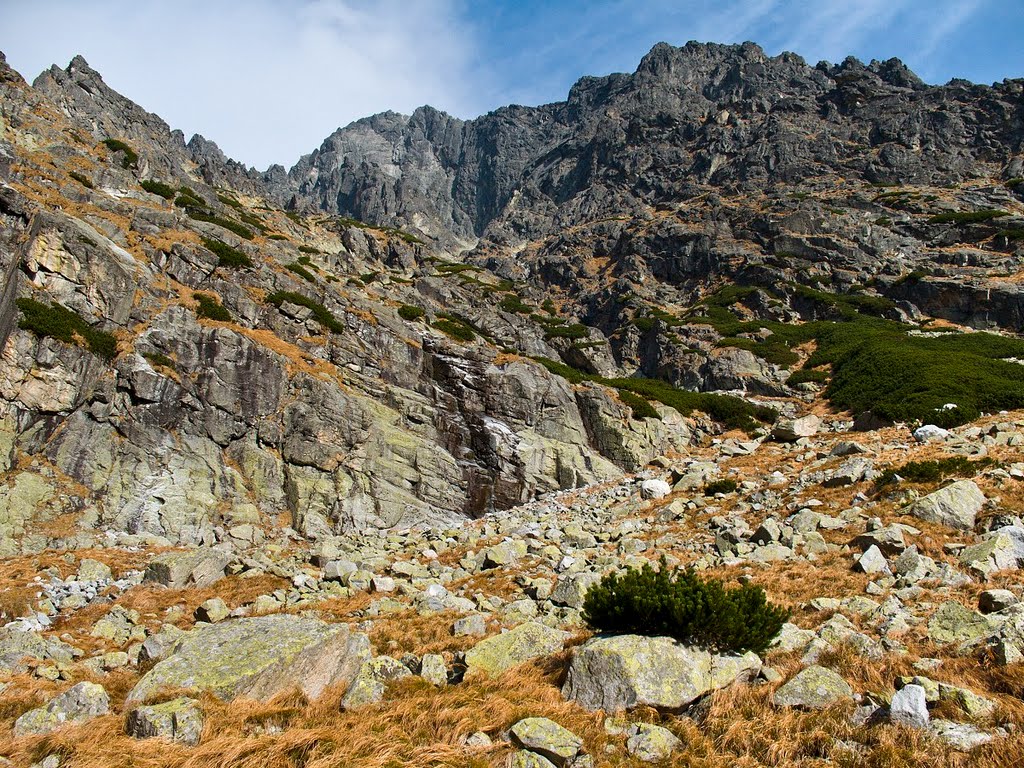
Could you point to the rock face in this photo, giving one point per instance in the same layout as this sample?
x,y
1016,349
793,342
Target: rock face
x,y
257,658
77,705
621,672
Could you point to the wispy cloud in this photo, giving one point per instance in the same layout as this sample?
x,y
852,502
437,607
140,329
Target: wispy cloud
x,y
266,80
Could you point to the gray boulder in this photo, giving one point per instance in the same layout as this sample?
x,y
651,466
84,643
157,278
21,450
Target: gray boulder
x,y
501,652
957,505
259,657
909,707
813,688
791,430
952,623
370,683
194,568
76,705
179,720
546,738
651,743
616,673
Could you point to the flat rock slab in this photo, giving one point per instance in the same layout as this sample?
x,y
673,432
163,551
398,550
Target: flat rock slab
x,y
624,671
258,658
957,505
547,738
813,688
953,623
510,649
195,568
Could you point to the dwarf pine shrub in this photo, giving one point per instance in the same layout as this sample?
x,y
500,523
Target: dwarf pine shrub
x,y
679,604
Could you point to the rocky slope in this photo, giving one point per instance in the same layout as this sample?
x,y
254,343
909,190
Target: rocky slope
x,y
262,412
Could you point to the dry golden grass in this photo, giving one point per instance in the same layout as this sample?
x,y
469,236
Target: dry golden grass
x,y
409,632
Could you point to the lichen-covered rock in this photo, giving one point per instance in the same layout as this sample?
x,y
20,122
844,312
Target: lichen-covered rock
x,y
624,671
953,623
547,738
957,505
813,688
651,743
258,657
179,720
19,645
76,705
501,652
195,568
370,682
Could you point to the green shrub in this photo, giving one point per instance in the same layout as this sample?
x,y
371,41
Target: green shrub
x,y
187,198
230,201
725,485
571,331
411,313
771,350
320,312
681,605
301,271
62,324
158,358
210,308
455,329
228,224
130,157
567,372
307,249
644,324
511,302
1013,233
228,257
641,408
549,307
82,179
967,217
807,374
933,471
158,188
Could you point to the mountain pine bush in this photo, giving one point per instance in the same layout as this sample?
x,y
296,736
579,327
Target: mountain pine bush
x,y
679,604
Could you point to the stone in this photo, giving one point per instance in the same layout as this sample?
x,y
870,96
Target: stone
x,y
651,743
195,568
791,430
813,688
889,540
654,489
994,600
474,624
93,570
258,657
526,759
929,432
957,505
370,683
77,705
499,653
213,610
960,736
179,720
970,703
571,589
872,561
433,669
620,672
909,707
952,623
997,552
546,738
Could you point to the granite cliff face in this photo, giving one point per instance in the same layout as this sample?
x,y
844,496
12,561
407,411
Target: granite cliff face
x,y
374,338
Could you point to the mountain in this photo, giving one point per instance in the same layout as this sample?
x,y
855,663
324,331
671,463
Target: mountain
x,y
357,439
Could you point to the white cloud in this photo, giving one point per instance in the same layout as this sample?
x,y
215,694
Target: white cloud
x,y
267,80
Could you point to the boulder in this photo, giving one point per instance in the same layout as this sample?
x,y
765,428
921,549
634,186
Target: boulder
x,y
624,671
791,430
213,611
546,738
370,683
194,568
76,705
651,743
571,589
654,489
179,720
952,623
433,669
995,600
259,657
813,688
501,652
909,707
872,561
957,505
524,758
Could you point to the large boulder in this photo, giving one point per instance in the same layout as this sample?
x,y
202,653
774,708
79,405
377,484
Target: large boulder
x,y
76,705
510,649
624,671
791,430
194,568
813,688
258,658
953,623
957,505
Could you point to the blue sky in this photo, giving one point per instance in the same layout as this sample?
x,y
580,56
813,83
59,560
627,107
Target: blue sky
x,y
268,80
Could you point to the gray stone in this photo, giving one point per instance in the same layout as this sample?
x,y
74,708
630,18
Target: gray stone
x,y
813,688
433,669
370,683
654,489
526,759
960,736
872,561
952,623
213,610
474,624
957,505
258,657
195,568
909,707
651,743
179,720
993,600
624,671
76,705
791,430
571,589
546,738
499,653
